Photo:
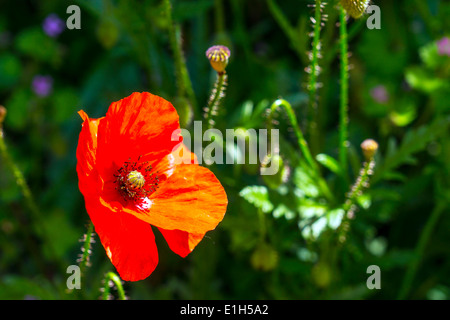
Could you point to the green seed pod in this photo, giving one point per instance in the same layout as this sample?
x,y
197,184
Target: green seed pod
x,y
264,258
135,179
321,274
107,33
218,57
355,8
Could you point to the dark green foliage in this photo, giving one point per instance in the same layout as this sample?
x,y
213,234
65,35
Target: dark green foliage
x,y
277,240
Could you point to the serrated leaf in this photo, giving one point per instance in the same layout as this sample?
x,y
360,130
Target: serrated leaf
x,y
306,185
414,141
258,196
283,211
332,219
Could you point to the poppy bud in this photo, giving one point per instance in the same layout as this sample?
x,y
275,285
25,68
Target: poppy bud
x,y
369,148
218,57
355,8
2,114
321,274
264,258
107,33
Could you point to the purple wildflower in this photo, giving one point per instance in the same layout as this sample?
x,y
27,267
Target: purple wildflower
x,y
42,85
380,94
444,46
53,25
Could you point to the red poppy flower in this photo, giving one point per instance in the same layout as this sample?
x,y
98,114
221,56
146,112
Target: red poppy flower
x,y
132,175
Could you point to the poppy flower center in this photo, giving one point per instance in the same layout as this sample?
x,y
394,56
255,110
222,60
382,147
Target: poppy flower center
x,y
135,180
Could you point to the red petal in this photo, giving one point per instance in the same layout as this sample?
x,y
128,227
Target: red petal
x,y
191,200
86,155
129,242
139,125
181,242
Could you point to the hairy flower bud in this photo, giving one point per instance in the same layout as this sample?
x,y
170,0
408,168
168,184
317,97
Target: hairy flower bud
x,y
355,8
218,57
369,148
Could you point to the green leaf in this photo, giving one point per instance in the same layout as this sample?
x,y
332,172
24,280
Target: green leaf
x,y
306,185
414,141
330,163
65,103
19,288
187,10
283,211
332,219
424,80
258,196
35,43
11,70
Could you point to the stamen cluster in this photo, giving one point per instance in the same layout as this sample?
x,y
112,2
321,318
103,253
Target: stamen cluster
x,y
135,180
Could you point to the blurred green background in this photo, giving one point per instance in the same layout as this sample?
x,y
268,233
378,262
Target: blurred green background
x,y
270,244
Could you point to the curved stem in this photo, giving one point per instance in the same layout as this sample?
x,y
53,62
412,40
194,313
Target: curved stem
x,y
111,276
303,145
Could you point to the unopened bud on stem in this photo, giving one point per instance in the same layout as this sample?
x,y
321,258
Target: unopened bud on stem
x,y
218,57
355,8
369,148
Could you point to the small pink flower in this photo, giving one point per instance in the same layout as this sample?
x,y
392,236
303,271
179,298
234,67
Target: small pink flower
x,y
444,46
380,94
42,85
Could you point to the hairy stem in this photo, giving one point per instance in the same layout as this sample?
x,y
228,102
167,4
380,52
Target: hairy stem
x,y
314,71
112,277
86,249
361,183
217,94
302,144
343,108
184,83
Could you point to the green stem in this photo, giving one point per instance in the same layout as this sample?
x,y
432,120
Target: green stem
x,y
343,109
111,276
303,145
361,183
217,94
184,83
219,16
420,249
86,249
314,72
